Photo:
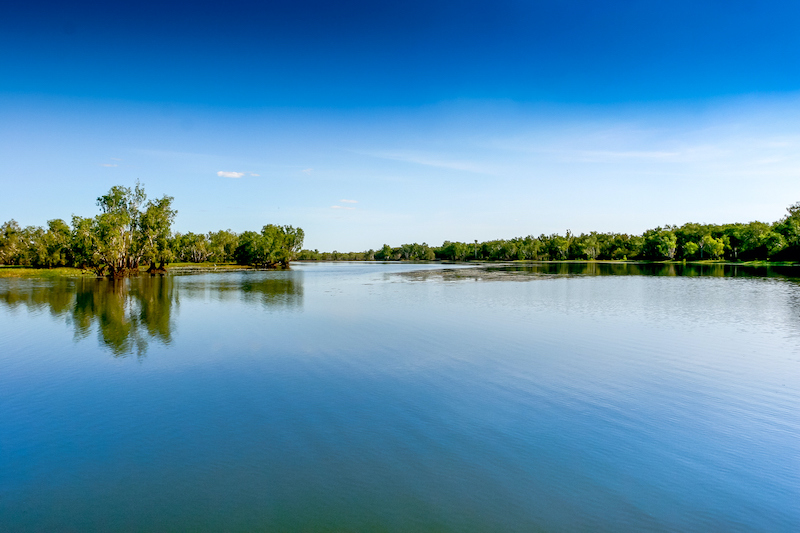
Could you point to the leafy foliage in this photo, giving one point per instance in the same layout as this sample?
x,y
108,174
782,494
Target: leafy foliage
x,y
132,230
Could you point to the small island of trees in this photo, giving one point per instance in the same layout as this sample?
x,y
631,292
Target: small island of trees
x,y
132,231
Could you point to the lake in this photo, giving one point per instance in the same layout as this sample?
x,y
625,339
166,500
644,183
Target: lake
x,y
402,397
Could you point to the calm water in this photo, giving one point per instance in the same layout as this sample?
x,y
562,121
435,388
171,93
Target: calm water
x,y
352,397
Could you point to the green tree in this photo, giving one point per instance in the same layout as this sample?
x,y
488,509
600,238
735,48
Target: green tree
x,y
274,246
659,243
122,235
690,249
222,245
12,244
789,226
154,232
713,247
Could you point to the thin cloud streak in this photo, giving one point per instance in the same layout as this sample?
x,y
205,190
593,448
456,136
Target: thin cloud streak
x,y
430,161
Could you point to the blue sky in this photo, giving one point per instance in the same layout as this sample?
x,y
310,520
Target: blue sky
x,y
373,122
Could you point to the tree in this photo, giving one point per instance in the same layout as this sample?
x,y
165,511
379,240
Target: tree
x,y
51,247
154,232
12,244
274,246
689,249
714,247
660,244
789,226
123,235
83,242
222,246
385,253
591,245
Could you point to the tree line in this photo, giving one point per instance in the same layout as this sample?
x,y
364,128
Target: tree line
x,y
779,241
131,231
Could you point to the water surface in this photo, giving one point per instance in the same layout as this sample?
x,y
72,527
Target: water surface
x,y
360,397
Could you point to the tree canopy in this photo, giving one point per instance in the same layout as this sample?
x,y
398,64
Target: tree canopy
x,y
131,231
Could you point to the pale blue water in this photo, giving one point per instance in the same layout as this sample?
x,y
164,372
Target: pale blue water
x,y
344,397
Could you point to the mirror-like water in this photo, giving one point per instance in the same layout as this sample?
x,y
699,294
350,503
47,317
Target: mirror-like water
x,y
372,397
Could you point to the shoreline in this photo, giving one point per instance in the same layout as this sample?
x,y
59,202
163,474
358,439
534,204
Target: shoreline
x,y
14,271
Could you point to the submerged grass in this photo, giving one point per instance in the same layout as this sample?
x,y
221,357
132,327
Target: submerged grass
x,y
14,271
8,271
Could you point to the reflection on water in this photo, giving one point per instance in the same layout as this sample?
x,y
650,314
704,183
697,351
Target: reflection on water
x,y
533,270
649,269
127,313
130,313
282,290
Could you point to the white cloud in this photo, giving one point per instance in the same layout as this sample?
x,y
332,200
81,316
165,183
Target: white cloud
x,y
115,159
342,207
223,174
349,201
307,170
255,175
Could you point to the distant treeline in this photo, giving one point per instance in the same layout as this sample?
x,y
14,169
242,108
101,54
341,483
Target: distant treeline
x,y
131,231
779,241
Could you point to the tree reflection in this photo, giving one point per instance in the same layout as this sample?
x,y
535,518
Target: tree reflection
x,y
592,268
276,291
128,314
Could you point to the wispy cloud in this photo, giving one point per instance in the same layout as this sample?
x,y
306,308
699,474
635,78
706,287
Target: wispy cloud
x,y
307,170
108,165
224,174
255,175
431,160
342,207
349,201
617,155
630,154
115,159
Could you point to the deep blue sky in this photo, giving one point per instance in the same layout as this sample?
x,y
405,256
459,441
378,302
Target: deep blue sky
x,y
351,98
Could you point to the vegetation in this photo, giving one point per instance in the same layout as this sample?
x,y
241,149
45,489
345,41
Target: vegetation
x,y
754,241
132,231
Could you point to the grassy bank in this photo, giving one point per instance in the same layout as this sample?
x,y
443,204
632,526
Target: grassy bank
x,y
8,271
12,271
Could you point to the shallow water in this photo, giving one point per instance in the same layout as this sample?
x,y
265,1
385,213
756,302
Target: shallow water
x,y
358,397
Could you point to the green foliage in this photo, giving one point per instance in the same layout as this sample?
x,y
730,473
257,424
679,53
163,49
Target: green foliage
x,y
191,247
222,246
12,244
713,247
155,228
130,230
690,249
274,246
659,244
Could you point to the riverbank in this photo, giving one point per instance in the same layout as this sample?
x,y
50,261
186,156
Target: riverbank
x,y
12,271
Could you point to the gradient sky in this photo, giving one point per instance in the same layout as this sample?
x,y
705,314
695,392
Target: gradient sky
x,y
388,122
